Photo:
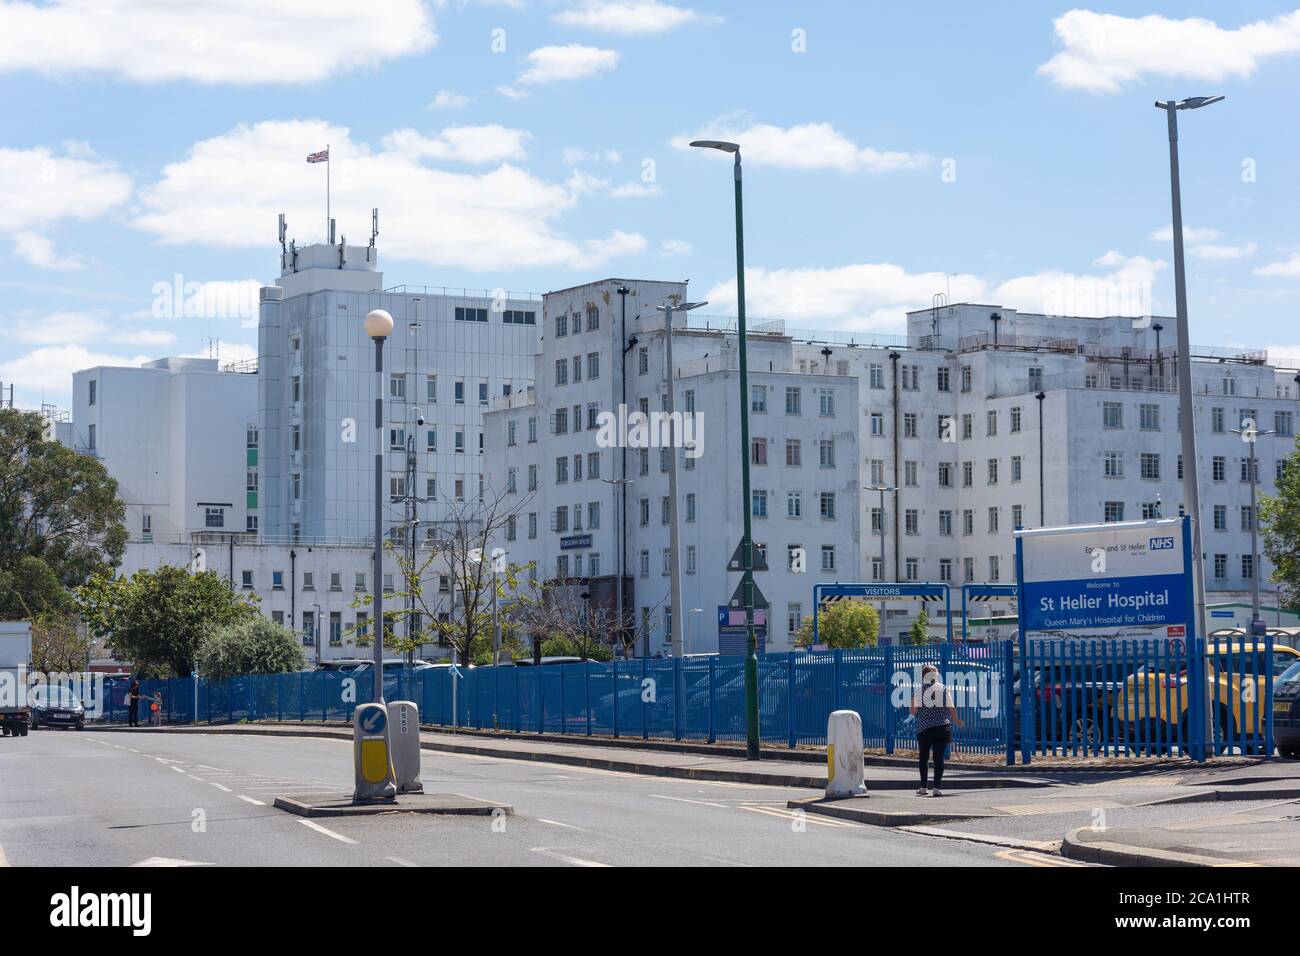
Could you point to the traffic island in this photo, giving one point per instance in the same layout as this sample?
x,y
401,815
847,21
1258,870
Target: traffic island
x,y
339,804
890,811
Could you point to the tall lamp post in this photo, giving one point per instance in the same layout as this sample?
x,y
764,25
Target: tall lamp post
x,y
378,325
882,489
1249,434
618,484
747,541
674,535
1186,418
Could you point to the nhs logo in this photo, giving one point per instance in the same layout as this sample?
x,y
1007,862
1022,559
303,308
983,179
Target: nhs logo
x,y
1162,544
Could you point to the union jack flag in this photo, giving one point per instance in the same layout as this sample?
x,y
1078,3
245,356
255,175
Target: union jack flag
x,y
322,157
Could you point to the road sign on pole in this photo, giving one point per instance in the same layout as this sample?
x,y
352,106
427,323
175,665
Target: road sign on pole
x,y
738,597
737,562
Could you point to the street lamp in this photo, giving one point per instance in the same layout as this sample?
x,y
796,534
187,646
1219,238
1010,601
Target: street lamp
x,y
882,489
1042,474
618,485
1186,416
378,325
747,541
1249,434
674,541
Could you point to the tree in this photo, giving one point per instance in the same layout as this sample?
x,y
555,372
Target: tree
x,y
58,644
476,570
30,588
156,618
919,632
254,646
1279,525
570,624
56,505
842,625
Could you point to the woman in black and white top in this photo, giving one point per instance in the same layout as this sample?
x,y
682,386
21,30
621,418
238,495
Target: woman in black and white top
x,y
935,715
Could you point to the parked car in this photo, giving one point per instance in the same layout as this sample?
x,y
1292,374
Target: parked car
x,y
1153,696
1075,701
1286,712
55,706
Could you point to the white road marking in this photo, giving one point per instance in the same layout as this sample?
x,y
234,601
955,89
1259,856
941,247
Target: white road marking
x,y
564,857
133,750
179,770
256,803
787,814
219,787
1031,858
703,803
192,777
399,861
167,861
4,861
313,825
557,823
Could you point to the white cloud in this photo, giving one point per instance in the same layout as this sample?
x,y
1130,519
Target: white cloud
x,y
1126,289
211,41
553,64
627,16
1285,268
576,157
469,144
1221,250
866,296
1102,52
636,190
677,247
806,146
40,186
58,328
227,190
877,296
448,100
38,250
48,370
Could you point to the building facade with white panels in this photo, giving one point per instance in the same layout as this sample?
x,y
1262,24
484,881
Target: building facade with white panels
x,y
952,419
179,436
307,588
449,355
804,464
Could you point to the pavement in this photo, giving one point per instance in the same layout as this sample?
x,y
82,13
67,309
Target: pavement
x,y
73,798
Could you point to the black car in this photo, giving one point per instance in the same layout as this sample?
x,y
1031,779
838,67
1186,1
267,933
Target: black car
x,y
56,707
1286,712
1075,702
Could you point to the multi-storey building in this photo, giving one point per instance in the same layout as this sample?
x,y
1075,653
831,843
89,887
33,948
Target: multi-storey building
x,y
180,437
561,464
450,353
980,420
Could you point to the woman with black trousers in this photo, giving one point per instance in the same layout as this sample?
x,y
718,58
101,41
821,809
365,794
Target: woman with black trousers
x,y
935,715
133,704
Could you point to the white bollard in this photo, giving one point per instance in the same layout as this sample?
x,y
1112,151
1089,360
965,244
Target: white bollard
x,y
844,769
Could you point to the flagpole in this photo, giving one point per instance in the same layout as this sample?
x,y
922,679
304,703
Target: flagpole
x,y
327,192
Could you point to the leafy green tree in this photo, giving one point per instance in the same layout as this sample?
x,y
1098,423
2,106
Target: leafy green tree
x,y
1279,525
254,646
157,617
842,625
29,588
919,632
56,505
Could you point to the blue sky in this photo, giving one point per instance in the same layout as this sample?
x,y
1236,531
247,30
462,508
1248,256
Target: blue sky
x,y
536,144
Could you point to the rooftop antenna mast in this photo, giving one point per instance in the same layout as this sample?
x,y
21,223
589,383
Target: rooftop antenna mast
x,y
937,302
283,251
374,231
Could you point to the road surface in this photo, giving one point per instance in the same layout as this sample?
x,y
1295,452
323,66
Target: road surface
x,y
115,799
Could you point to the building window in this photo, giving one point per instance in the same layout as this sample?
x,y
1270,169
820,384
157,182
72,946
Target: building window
x,y
1112,414
467,314
828,557
826,505
793,400
214,517
759,503
1114,511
